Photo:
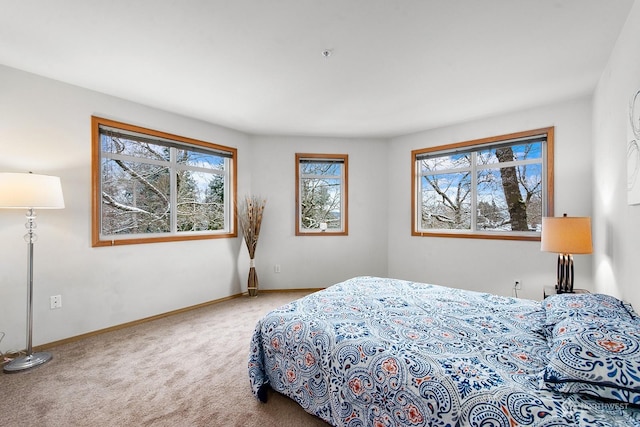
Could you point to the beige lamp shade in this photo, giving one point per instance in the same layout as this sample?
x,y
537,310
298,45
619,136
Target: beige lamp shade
x,y
28,190
566,235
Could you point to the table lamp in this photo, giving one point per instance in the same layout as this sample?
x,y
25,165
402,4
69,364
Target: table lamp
x,y
566,236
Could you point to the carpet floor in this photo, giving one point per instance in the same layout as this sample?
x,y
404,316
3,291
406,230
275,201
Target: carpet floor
x,y
189,369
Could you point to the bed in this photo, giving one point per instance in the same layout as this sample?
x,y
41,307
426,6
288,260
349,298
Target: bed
x,y
385,352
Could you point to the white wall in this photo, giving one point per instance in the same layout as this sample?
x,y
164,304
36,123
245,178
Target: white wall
x,y
616,225
493,265
318,261
45,128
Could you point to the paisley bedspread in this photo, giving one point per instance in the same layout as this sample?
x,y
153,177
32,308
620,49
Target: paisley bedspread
x,y
384,352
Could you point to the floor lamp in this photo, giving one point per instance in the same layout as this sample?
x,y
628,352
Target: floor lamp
x,y
29,191
566,236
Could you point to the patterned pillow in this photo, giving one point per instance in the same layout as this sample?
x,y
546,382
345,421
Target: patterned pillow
x,y
627,306
595,358
585,307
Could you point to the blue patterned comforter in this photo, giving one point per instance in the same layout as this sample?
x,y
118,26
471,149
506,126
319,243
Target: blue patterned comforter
x,y
383,352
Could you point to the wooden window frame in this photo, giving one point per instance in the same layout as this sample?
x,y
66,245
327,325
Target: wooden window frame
x,y
344,158
548,177
96,177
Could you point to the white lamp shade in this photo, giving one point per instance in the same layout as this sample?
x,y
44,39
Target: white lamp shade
x,y
28,190
566,235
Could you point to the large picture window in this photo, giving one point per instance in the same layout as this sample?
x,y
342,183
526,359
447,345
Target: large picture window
x,y
321,194
497,187
150,186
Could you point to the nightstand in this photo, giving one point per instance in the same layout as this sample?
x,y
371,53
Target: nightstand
x,y
551,290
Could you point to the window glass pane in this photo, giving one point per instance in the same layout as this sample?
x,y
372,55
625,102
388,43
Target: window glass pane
x,y
200,201
199,159
446,162
446,201
320,168
127,147
135,198
533,189
510,198
493,214
321,201
510,153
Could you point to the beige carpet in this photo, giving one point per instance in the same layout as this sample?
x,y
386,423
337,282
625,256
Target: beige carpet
x,y
184,370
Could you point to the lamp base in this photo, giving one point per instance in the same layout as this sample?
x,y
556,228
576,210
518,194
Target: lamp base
x,y
564,284
27,362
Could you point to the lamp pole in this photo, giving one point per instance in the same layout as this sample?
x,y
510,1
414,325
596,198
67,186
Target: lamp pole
x,y
31,359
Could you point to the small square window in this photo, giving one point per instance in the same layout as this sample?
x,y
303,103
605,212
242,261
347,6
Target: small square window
x,y
321,194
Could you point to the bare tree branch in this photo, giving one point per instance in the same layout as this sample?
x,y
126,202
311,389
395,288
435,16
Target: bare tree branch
x,y
142,179
120,206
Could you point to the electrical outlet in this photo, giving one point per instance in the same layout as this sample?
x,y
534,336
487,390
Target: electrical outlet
x,y
276,268
56,301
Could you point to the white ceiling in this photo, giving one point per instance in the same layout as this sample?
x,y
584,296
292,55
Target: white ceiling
x,y
397,66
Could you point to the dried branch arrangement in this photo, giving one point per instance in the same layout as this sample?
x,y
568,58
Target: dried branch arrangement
x,y
250,217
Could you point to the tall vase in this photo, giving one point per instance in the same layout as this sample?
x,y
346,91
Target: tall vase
x,y
252,282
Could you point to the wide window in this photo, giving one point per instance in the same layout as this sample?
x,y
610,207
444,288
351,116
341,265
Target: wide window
x,y
150,186
497,187
321,194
